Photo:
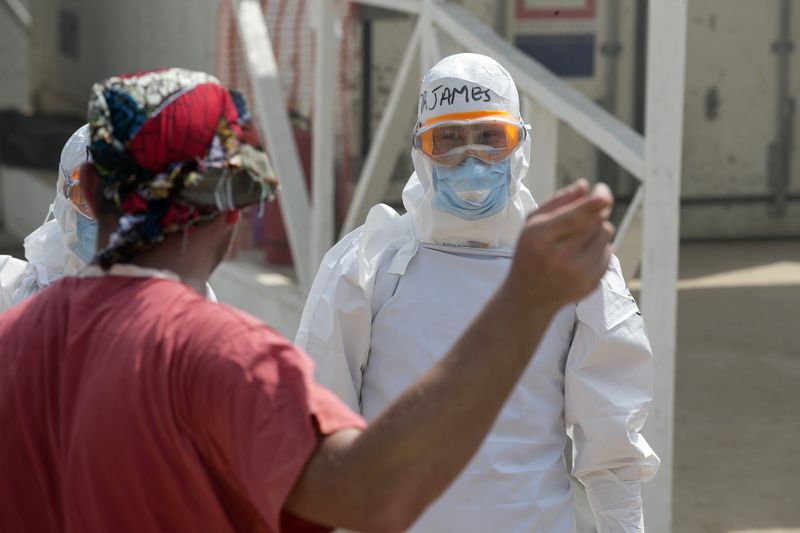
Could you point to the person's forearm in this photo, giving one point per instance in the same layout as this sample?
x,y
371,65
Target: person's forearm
x,y
410,453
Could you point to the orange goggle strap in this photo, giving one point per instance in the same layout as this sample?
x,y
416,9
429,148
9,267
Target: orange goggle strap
x,y
425,133
470,115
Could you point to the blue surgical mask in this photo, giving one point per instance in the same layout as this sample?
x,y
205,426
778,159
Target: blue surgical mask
x,y
473,189
87,238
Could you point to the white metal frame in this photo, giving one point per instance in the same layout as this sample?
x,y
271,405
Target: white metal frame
x,y
666,73
654,159
389,138
323,218
21,14
274,125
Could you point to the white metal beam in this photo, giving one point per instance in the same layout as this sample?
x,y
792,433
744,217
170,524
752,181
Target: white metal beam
x,y
627,220
405,6
430,49
390,137
542,176
666,71
21,14
628,240
601,128
273,122
323,197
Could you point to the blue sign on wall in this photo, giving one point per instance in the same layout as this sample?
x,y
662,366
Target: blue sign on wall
x,y
568,55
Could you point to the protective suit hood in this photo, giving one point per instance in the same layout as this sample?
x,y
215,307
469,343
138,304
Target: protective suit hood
x,y
462,85
49,249
51,244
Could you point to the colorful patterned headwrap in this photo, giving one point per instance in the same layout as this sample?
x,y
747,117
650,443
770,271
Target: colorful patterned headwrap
x,y
172,150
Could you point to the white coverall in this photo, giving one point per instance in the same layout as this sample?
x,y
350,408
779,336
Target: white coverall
x,y
49,249
393,296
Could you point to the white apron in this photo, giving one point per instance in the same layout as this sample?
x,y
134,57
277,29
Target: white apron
x,y
517,482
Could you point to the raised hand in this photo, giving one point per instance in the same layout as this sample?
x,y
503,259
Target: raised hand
x,y
565,247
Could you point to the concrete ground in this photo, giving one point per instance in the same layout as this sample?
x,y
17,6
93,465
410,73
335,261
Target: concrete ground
x,y
737,412
737,407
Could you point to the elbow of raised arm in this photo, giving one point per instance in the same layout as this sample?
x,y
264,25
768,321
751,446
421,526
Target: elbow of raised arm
x,y
390,522
613,447
393,501
387,515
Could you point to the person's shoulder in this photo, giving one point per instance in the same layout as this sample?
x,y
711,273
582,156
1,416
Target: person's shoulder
x,y
347,244
385,220
230,316
163,300
611,303
12,272
383,229
222,326
11,269
613,280
31,311
10,261
233,345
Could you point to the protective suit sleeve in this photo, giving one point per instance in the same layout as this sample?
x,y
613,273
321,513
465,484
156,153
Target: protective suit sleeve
x,y
12,272
19,279
607,393
336,323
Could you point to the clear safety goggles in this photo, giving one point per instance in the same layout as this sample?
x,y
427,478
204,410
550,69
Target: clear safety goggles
x,y
74,193
490,137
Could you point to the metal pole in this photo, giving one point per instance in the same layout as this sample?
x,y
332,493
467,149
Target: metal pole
x,y
628,240
666,72
273,122
639,65
323,172
543,175
390,138
780,150
366,87
430,51
610,49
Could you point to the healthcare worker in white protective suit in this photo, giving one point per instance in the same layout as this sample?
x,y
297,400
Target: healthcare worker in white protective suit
x,y
394,294
65,243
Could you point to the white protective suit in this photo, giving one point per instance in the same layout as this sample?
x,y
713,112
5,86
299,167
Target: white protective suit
x,y
49,249
394,295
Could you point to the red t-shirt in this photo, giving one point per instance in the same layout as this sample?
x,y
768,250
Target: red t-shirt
x,y
133,404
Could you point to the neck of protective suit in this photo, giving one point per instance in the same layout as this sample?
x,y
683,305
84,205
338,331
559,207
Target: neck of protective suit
x,y
475,203
55,244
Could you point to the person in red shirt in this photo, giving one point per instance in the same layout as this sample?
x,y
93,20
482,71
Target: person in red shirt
x,y
128,402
